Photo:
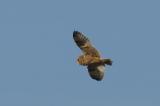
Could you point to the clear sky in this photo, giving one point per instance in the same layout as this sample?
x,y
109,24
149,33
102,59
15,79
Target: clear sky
x,y
38,56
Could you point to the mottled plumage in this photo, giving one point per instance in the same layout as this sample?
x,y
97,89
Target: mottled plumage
x,y
90,57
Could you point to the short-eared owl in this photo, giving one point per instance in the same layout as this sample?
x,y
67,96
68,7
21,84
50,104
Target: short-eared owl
x,y
91,57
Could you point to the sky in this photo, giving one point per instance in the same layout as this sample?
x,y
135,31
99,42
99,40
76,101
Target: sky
x,y
38,55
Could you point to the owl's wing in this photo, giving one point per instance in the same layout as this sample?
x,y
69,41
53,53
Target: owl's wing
x,y
84,44
96,71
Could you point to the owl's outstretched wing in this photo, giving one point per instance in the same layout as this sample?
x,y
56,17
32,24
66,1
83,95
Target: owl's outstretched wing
x,y
85,45
96,71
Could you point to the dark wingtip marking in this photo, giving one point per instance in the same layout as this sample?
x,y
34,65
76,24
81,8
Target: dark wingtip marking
x,y
79,38
97,79
75,33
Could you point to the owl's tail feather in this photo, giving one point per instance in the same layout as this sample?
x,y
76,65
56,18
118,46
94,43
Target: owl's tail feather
x,y
107,61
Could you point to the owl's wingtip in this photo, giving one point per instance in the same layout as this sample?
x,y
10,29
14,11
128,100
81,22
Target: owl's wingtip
x,y
75,33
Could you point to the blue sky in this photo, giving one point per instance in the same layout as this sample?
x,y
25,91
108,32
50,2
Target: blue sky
x,y
38,55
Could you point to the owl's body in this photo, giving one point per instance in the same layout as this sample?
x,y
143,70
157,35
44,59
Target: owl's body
x,y
91,57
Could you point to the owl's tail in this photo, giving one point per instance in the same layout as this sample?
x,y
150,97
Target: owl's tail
x,y
107,61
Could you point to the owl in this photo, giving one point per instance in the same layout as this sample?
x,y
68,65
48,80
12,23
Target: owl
x,y
90,57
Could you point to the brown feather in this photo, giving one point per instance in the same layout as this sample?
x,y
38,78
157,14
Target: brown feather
x,y
84,44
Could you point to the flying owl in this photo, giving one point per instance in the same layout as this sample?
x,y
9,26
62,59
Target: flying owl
x,y
90,57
